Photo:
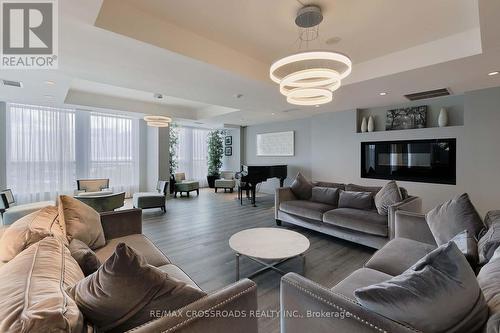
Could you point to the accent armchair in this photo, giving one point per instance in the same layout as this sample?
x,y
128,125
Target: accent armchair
x,y
182,185
92,187
145,200
227,181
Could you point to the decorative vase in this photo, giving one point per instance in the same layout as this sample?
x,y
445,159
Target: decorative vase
x,y
371,124
364,126
443,118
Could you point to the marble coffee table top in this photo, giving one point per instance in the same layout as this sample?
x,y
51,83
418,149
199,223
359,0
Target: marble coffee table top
x,y
269,243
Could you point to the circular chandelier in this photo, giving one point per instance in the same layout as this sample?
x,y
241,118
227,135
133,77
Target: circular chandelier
x,y
310,77
157,121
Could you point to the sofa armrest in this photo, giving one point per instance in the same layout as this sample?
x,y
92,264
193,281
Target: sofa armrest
x,y
309,307
410,204
121,223
413,226
282,194
228,310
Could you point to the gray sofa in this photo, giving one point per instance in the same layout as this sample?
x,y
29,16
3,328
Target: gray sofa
x,y
413,241
365,227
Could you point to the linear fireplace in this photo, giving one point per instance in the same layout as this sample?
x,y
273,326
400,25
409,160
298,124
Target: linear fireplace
x,y
426,161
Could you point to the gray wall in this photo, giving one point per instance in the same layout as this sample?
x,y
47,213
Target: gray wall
x,y
300,162
328,148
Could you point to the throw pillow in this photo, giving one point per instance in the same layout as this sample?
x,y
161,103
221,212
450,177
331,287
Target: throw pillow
x,y
29,230
359,188
329,184
439,293
489,281
33,290
301,187
387,196
490,241
121,292
81,222
467,244
356,200
452,217
326,195
84,256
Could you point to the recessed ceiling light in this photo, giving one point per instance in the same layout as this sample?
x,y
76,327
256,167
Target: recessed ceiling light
x,y
50,83
238,95
382,93
317,105
158,96
493,73
273,114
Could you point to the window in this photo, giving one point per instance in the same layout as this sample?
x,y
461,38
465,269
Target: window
x,y
49,148
192,153
113,151
40,152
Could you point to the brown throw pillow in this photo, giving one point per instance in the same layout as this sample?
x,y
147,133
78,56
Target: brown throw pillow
x,y
301,187
452,217
84,256
29,230
121,292
33,290
81,222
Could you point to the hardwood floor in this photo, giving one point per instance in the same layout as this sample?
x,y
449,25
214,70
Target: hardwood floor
x,y
194,233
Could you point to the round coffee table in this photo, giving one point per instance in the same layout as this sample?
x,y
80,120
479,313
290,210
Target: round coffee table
x,y
273,245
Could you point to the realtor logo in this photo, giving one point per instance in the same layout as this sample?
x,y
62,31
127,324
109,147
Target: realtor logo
x,y
29,34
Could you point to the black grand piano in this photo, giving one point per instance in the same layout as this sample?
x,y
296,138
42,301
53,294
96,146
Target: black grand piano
x,y
251,175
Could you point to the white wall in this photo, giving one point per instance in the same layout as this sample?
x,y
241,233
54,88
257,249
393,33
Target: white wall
x,y
330,149
233,163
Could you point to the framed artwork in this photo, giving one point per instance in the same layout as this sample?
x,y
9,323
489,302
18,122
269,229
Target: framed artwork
x,y
228,151
276,144
407,118
229,140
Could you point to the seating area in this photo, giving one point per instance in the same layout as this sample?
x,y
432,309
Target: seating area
x,y
250,166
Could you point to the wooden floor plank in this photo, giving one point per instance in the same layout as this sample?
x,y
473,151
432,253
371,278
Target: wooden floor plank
x,y
194,233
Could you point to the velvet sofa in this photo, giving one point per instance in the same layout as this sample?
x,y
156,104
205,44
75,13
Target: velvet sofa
x,y
413,241
365,227
126,227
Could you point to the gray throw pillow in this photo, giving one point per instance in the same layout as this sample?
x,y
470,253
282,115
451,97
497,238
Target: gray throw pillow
x,y
329,184
326,195
439,293
360,188
452,217
356,200
387,196
489,281
490,240
467,244
301,187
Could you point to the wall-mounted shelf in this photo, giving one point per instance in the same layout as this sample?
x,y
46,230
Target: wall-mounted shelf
x,y
423,133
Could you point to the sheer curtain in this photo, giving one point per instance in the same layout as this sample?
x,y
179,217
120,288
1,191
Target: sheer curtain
x,y
192,153
40,152
114,151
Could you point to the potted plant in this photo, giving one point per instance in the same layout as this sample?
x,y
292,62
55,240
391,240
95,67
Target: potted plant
x,y
215,153
173,163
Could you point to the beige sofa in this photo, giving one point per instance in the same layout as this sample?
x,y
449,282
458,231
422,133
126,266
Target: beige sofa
x,y
413,241
365,227
126,226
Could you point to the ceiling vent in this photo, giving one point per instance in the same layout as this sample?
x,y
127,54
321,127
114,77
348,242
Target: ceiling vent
x,y
428,94
9,83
